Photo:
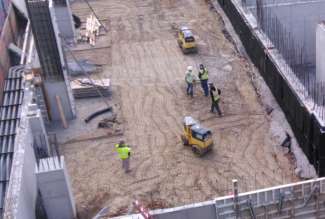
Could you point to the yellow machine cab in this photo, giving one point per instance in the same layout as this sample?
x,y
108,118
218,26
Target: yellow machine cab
x,y
196,136
186,40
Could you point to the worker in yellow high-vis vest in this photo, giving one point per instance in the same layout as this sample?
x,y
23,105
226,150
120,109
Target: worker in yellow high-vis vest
x,y
124,152
204,77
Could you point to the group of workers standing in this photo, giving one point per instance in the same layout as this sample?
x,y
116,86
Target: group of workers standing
x,y
124,150
203,75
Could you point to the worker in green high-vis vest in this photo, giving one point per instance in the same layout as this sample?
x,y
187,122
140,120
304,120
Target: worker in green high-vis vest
x,y
124,153
204,77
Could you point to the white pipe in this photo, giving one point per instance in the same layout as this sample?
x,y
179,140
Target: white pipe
x,y
279,4
30,50
26,36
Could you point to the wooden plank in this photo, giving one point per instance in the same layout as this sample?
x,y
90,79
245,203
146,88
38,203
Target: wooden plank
x,y
62,116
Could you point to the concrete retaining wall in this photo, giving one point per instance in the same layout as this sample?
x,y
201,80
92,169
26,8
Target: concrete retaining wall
x,y
298,200
54,185
63,18
21,195
299,18
307,128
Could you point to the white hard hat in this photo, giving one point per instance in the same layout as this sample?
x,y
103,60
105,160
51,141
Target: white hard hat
x,y
190,68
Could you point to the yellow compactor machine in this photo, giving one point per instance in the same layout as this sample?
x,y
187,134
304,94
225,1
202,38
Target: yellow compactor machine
x,y
197,137
186,40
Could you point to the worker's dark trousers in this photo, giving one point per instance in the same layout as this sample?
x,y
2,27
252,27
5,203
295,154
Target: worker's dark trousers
x,y
205,87
287,144
126,164
215,105
189,89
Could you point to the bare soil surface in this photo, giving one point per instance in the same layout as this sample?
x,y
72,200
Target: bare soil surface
x,y
141,56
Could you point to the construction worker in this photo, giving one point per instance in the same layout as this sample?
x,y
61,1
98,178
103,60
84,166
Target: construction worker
x,y
287,142
189,78
124,152
215,98
204,76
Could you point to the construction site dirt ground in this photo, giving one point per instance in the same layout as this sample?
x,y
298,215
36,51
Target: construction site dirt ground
x,y
147,68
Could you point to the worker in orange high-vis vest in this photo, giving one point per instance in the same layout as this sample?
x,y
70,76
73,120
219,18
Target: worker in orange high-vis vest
x,y
124,152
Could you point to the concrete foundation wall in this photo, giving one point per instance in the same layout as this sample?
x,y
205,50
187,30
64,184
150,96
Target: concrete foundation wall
x,y
21,6
37,125
71,106
22,191
58,89
320,53
201,210
54,185
52,58
64,20
301,19
22,200
28,192
299,200
303,118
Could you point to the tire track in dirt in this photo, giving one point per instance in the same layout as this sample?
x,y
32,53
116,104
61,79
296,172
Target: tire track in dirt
x,y
252,163
244,147
158,131
146,166
164,125
172,116
154,69
271,176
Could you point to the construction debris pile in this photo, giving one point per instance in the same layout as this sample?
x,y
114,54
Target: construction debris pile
x,y
112,124
91,31
86,88
108,122
82,66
